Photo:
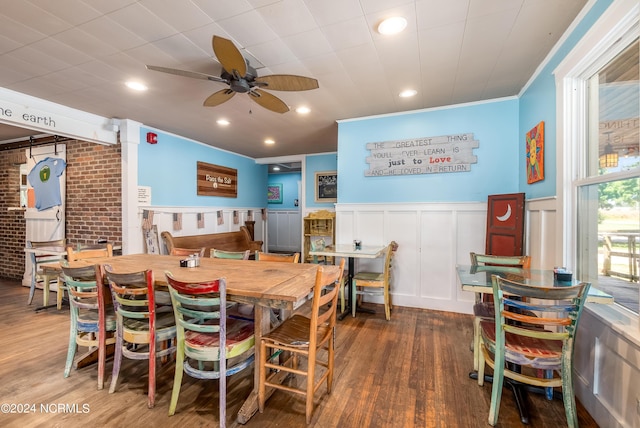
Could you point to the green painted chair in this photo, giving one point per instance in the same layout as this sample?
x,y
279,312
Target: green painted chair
x,y
93,323
376,283
207,340
483,308
515,340
236,255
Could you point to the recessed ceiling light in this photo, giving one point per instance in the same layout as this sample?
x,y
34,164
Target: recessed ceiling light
x,y
269,141
136,86
276,168
392,25
303,110
222,122
408,93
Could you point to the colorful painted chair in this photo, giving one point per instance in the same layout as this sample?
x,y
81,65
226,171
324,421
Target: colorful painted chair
x,y
176,251
207,340
303,337
543,342
483,308
36,273
235,255
144,329
93,323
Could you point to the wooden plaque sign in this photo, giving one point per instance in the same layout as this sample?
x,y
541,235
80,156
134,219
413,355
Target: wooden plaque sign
x,y
216,180
427,155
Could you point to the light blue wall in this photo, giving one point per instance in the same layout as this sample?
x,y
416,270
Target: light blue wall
x,y
538,103
317,163
494,124
169,168
289,183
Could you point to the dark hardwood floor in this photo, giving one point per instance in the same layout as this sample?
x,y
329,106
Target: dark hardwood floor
x,y
409,372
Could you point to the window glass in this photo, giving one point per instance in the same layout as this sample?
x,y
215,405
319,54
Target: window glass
x,y
608,212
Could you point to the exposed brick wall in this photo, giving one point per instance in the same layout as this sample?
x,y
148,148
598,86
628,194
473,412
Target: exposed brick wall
x,y
12,223
93,201
94,193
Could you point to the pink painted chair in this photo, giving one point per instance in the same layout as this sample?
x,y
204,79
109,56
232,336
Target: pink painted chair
x,y
140,321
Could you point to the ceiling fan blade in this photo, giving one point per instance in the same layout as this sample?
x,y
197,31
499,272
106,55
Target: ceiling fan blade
x,y
287,82
185,73
218,98
229,56
268,101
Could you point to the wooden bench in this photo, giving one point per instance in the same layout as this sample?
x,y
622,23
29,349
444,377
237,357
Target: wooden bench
x,y
227,241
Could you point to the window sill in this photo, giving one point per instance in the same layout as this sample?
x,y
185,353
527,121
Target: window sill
x,y
620,320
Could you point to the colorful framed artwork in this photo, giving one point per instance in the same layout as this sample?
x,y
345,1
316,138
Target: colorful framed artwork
x,y
535,153
326,186
274,193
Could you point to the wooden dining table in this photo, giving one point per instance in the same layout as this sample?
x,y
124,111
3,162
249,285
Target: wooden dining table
x,y
263,284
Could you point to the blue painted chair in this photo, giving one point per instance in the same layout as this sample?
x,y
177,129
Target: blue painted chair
x,y
93,323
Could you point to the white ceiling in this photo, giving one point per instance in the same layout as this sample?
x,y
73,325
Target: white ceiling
x,y
79,53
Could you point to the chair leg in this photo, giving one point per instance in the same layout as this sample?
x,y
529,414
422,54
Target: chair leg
x,y
476,343
568,395
45,291
311,372
71,351
481,365
151,401
387,304
355,299
32,289
342,302
496,388
60,293
177,378
117,360
330,356
264,356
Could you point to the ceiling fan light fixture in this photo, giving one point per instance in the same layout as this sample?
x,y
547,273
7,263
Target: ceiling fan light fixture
x,y
136,86
407,93
393,25
303,110
269,141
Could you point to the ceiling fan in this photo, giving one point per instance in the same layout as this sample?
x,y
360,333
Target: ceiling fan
x,y
243,78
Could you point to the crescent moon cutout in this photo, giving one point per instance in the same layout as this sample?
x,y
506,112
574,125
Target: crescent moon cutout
x,y
506,216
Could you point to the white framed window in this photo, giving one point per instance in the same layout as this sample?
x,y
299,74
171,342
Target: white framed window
x,y
598,98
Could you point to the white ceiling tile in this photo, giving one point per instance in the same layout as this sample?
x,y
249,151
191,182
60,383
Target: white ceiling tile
x,y
133,15
219,10
78,39
19,32
436,13
23,11
247,29
288,17
347,34
308,44
186,17
71,11
374,6
60,51
106,7
326,12
273,52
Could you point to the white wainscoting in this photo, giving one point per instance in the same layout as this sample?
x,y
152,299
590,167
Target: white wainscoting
x,y
432,238
284,230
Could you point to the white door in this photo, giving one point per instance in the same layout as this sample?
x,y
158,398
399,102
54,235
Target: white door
x,y
47,224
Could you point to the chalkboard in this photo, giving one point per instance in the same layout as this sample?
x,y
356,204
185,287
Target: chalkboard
x,y
326,186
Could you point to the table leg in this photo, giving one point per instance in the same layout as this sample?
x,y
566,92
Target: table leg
x,y
262,323
518,389
352,296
